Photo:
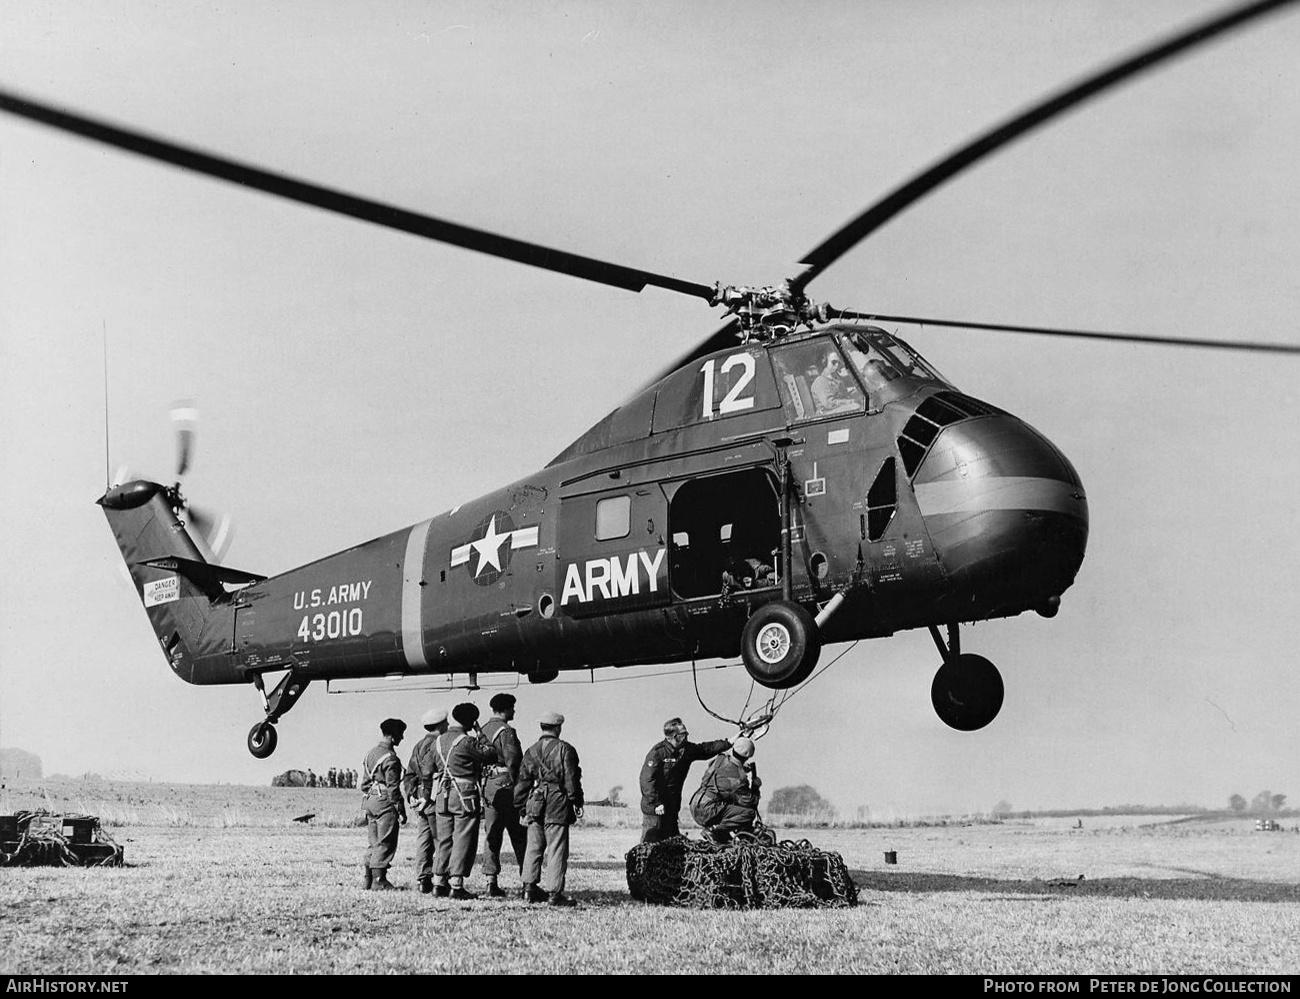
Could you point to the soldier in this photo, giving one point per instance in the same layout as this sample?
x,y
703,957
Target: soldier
x,y
381,794
461,754
333,777
727,800
549,792
500,815
417,786
663,775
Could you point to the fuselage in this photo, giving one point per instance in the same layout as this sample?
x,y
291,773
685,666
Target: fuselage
x,y
653,537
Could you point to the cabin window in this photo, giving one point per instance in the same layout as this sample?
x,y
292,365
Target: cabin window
x,y
882,500
613,518
815,381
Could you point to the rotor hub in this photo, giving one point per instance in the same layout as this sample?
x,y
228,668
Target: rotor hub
x,y
769,312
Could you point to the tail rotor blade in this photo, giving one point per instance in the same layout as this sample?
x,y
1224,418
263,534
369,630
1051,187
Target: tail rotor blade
x,y
212,532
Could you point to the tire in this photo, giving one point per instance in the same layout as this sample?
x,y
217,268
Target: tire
x,y
967,694
262,738
780,645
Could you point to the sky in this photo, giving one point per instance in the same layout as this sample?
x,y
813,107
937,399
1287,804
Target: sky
x,y
353,381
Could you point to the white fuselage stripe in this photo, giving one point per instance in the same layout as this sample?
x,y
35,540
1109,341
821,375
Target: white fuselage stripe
x,y
412,592
999,493
525,537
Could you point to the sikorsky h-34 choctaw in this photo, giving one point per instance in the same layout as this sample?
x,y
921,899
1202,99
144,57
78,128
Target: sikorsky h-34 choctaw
x,y
802,478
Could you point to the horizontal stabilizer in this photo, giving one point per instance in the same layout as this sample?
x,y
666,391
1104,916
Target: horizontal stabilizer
x,y
204,575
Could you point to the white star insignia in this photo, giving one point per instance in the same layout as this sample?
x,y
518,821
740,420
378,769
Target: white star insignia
x,y
489,548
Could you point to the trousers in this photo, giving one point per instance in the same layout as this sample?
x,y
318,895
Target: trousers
x,y
382,828
457,839
549,842
657,827
424,845
502,819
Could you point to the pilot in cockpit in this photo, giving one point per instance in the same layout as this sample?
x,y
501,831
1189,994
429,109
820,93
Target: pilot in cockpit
x,y
833,390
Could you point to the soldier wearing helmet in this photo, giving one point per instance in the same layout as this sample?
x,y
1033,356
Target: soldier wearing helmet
x,y
663,776
727,799
417,786
461,754
381,791
500,817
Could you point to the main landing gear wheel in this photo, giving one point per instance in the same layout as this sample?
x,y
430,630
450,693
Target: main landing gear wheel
x,y
967,692
780,645
262,739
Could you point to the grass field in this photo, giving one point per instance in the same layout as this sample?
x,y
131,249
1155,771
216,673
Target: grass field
x,y
219,879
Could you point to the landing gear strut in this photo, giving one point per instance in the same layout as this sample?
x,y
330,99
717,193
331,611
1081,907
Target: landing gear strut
x,y
262,737
967,690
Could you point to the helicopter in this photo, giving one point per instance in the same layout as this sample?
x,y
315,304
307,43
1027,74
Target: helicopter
x,y
873,496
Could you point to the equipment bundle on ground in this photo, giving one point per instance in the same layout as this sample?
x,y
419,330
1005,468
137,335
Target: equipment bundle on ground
x,y
738,875
46,839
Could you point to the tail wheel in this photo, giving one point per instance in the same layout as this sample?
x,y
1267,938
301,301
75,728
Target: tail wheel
x,y
780,645
967,692
262,739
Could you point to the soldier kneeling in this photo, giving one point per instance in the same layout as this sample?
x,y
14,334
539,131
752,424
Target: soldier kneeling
x,y
727,799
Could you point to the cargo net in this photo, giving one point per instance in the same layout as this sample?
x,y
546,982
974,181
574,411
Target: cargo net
x,y
45,839
748,873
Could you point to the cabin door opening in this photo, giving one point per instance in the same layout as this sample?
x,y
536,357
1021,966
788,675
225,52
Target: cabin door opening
x,y
725,531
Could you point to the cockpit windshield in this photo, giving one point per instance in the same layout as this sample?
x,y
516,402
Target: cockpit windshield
x,y
879,358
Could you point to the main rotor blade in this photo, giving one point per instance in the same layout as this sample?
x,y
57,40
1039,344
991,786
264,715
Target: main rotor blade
x,y
185,418
1177,341
332,200
884,210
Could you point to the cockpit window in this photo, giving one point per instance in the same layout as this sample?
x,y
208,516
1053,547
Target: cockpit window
x,y
815,382
879,358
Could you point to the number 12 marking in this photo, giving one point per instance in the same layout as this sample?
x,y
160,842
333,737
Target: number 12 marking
x,y
731,403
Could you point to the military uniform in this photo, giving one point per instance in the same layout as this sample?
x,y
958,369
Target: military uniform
x,y
459,760
500,815
727,800
381,795
549,792
417,786
662,779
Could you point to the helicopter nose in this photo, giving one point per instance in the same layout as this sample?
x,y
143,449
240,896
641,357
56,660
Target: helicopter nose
x,y
1007,515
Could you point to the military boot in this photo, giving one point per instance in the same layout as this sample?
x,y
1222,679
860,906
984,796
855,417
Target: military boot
x,y
561,900
531,893
494,890
380,881
461,895
442,889
366,877
426,886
